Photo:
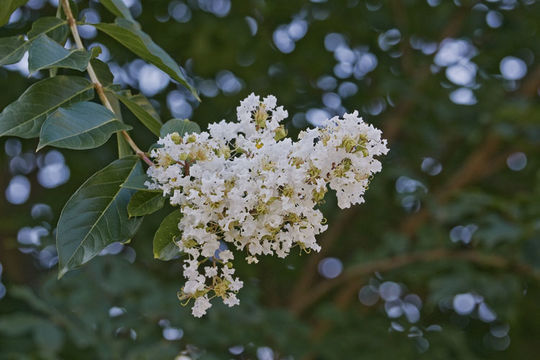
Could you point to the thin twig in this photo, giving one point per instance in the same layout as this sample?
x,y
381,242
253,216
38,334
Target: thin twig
x,y
97,84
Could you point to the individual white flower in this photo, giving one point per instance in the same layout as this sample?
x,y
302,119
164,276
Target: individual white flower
x,y
192,286
226,255
231,300
210,271
201,305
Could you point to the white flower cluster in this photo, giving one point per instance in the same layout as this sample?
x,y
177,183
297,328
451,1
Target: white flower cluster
x,y
246,186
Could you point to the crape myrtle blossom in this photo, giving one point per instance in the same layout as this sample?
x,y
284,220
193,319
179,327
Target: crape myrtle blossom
x,y
246,186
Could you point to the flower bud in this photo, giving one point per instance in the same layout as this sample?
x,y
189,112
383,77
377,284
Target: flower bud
x,y
176,138
280,133
260,116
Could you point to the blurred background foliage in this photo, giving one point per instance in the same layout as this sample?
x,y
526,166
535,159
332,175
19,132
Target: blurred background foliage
x,y
440,263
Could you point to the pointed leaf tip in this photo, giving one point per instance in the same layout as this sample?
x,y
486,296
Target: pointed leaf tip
x,y
96,215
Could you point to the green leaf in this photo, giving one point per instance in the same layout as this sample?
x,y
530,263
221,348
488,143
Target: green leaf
x,y
143,102
181,126
164,246
7,7
12,49
142,45
25,116
51,26
96,215
123,146
118,8
84,125
46,53
142,109
78,60
136,182
145,203
103,72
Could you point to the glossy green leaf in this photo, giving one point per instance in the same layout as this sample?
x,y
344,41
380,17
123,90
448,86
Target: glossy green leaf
x,y
12,49
25,116
7,7
145,203
144,103
142,45
136,182
84,125
53,27
78,60
123,147
118,8
96,215
164,240
103,72
181,126
46,53
142,109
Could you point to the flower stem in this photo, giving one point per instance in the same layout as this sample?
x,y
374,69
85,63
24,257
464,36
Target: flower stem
x,y
97,84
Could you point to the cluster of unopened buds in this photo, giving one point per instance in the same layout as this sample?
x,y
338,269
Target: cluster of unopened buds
x,y
246,186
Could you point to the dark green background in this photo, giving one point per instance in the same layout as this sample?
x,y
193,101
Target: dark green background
x,y
401,237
